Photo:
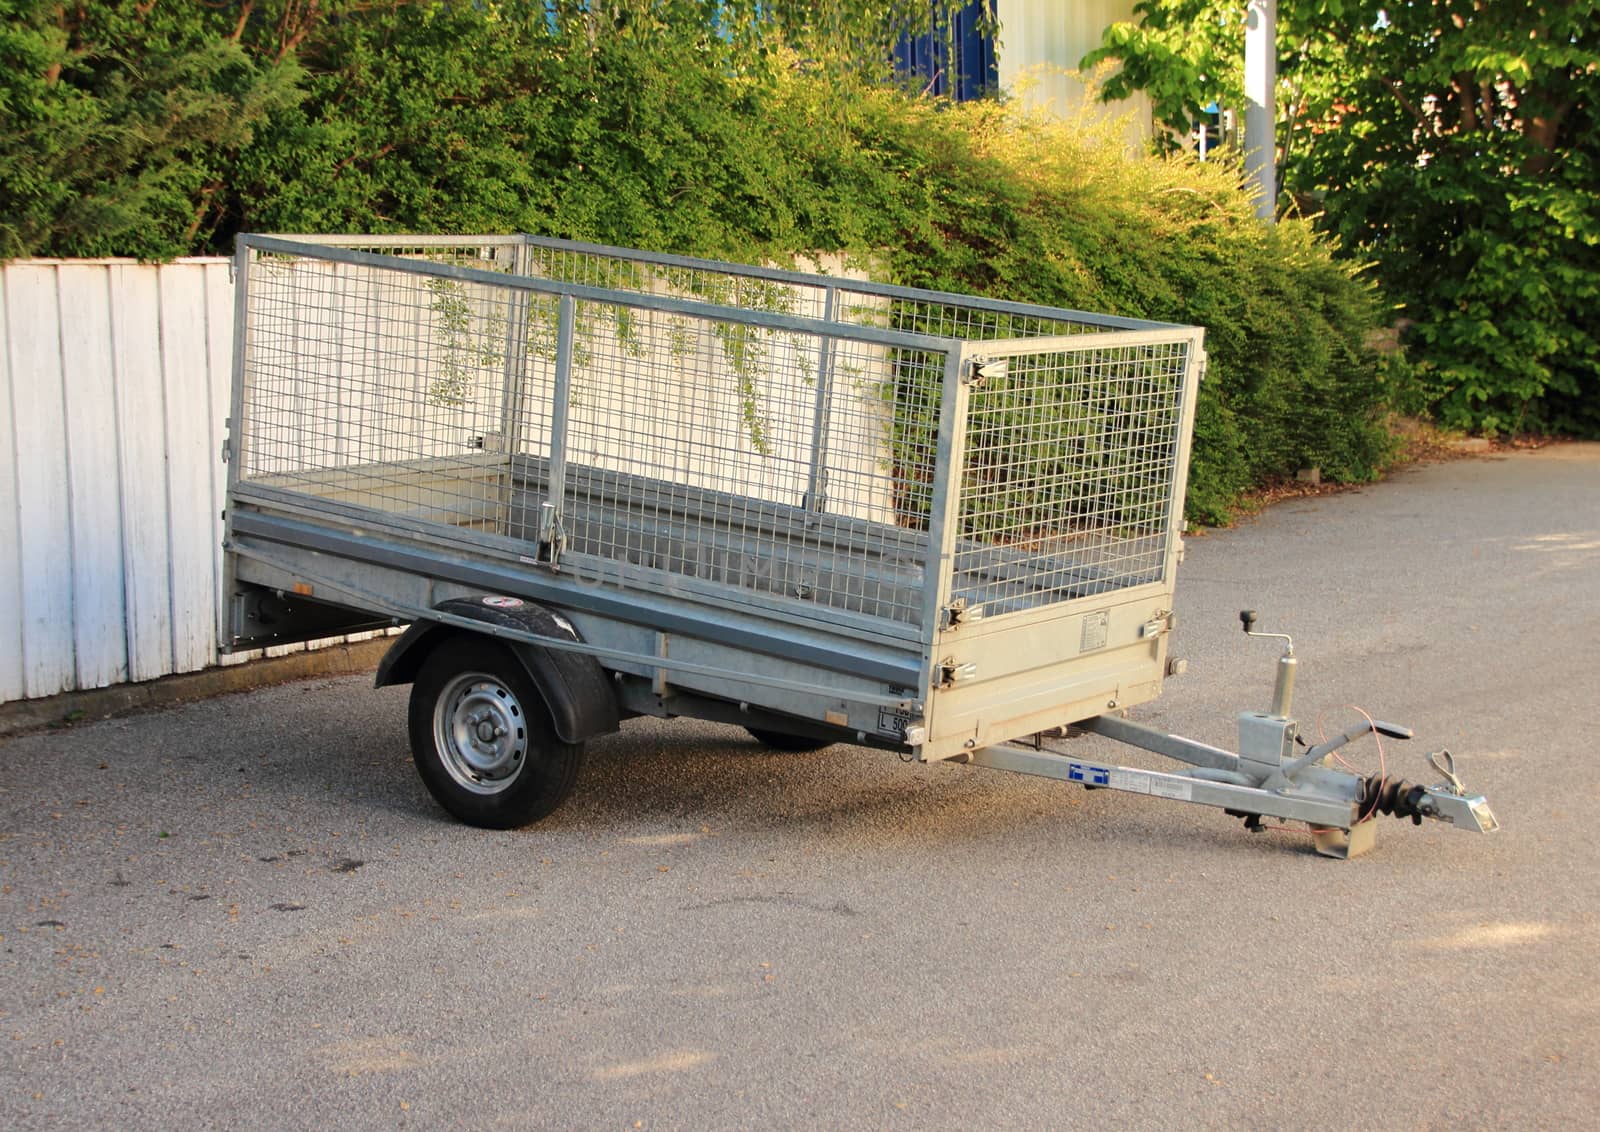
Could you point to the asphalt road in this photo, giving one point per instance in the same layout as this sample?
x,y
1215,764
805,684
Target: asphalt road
x,y
246,913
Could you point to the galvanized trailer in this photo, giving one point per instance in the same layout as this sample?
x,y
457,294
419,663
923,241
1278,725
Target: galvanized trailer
x,y
600,483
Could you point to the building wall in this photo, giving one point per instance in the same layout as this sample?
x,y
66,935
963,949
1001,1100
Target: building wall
x,y
1041,42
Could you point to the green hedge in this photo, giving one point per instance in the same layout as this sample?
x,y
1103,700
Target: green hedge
x,y
982,198
462,117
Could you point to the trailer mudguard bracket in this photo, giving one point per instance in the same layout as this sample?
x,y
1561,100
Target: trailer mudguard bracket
x,y
574,686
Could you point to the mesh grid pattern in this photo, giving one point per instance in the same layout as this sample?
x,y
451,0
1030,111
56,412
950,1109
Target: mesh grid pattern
x,y
1070,463
714,450
720,451
693,448
385,389
944,318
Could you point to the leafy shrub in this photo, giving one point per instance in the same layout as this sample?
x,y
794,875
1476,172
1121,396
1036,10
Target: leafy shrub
x,y
980,198
464,117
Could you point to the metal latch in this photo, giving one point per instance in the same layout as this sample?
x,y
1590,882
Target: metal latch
x,y
1160,623
552,540
959,613
953,672
980,371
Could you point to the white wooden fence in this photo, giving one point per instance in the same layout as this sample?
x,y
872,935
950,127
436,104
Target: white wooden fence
x,y
114,382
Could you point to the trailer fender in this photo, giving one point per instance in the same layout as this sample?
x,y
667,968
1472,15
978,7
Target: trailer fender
x,y
574,686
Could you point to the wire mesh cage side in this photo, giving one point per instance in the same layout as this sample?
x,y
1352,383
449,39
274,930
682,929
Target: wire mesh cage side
x,y
790,461
1070,468
382,389
738,454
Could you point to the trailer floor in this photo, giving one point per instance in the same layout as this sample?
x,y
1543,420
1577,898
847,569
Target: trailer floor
x,y
246,913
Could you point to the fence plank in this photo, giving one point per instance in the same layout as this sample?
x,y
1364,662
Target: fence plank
x,y
43,523
188,433
135,323
99,608
10,541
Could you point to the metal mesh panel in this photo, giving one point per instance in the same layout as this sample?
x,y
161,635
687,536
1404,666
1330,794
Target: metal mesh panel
x,y
1071,459
942,317
386,389
483,253
721,284
739,454
857,301
725,451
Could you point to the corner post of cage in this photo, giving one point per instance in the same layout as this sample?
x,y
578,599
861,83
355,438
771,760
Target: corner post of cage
x,y
566,327
236,434
817,479
944,508
1183,442
513,385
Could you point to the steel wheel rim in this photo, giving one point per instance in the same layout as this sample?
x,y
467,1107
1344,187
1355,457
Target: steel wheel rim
x,y
480,732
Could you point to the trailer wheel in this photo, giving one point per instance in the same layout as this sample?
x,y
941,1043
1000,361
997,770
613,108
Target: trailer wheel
x,y
482,738
783,741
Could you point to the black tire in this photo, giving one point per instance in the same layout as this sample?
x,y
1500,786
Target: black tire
x,y
482,739
783,741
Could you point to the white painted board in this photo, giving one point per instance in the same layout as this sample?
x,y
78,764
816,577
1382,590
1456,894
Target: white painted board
x,y
136,345
10,541
43,526
94,479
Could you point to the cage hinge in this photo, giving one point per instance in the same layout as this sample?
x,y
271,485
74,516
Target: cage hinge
x,y
227,441
552,539
953,672
982,370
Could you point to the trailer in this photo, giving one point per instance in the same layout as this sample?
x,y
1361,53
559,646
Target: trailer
x,y
598,483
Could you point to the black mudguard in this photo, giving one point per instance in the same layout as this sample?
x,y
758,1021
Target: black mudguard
x,y
575,688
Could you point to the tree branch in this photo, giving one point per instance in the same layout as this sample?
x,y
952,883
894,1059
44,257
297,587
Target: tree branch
x,y
244,18
1400,97
1467,96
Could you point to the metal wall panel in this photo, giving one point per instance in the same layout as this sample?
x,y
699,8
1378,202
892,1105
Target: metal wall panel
x,y
186,390
141,444
1041,42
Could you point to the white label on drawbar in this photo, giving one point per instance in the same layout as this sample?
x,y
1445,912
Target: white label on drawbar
x,y
1135,781
1176,788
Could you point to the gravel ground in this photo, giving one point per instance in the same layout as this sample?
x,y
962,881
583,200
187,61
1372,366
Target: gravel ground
x,y
246,913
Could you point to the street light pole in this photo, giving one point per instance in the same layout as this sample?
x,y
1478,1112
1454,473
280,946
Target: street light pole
x,y
1260,98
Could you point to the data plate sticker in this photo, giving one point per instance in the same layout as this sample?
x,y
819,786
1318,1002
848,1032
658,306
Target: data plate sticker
x,y
1176,788
1095,626
1135,781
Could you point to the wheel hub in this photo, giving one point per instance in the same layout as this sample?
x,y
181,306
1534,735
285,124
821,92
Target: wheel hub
x,y
481,731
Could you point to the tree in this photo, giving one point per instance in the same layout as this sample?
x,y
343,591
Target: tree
x,y
1452,142
117,121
